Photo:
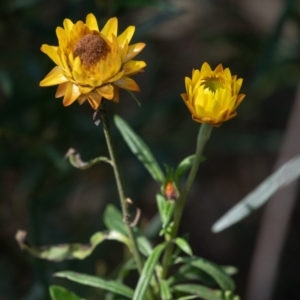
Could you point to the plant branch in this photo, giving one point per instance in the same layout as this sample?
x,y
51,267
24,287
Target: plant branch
x,y
120,186
203,137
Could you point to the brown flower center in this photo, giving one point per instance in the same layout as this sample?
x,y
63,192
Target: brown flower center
x,y
91,48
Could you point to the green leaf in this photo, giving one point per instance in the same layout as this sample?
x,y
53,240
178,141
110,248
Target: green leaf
x,y
113,219
222,279
76,161
108,285
166,209
144,245
60,293
184,166
184,246
165,293
69,251
228,295
230,270
200,290
140,149
187,297
286,174
147,273
187,273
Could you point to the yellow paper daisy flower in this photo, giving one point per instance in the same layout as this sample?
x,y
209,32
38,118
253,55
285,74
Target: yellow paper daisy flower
x,y
92,64
212,96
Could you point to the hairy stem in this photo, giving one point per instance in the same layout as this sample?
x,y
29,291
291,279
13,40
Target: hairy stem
x,y
203,137
124,205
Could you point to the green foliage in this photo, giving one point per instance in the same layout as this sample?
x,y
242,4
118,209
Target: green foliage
x,y
108,285
63,252
60,293
140,149
200,291
165,292
112,218
165,208
183,245
147,273
216,272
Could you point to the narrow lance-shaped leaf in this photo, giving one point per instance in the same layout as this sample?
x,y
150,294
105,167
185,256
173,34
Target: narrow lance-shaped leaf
x,y
185,165
60,293
280,178
147,273
224,281
140,149
113,219
62,252
187,297
166,209
221,278
165,293
108,285
200,290
183,245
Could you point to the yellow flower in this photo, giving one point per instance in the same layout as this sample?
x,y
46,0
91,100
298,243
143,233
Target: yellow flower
x,y
92,64
212,96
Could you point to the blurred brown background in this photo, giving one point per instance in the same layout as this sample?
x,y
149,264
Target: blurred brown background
x,y
41,193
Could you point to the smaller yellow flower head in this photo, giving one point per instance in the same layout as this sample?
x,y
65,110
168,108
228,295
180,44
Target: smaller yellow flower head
x,y
92,64
212,96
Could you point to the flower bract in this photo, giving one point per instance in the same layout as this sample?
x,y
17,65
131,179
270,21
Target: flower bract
x,y
92,64
212,96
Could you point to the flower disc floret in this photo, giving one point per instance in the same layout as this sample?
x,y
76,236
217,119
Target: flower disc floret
x,y
92,64
212,96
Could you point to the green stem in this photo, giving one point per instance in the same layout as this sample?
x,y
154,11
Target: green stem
x,y
203,137
120,186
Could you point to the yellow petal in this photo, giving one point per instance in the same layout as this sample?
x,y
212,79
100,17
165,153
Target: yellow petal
x,y
111,27
61,89
107,91
127,84
133,67
62,37
91,22
133,50
219,69
184,97
126,36
56,76
205,68
124,52
64,64
85,89
116,77
116,94
94,100
187,81
51,51
71,94
68,24
82,99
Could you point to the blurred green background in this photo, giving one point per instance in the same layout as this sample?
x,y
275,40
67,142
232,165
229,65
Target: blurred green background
x,y
41,193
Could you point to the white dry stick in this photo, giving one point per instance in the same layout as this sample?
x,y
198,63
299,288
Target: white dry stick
x,y
275,221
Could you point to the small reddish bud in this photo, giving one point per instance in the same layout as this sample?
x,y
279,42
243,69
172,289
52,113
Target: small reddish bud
x,y
171,191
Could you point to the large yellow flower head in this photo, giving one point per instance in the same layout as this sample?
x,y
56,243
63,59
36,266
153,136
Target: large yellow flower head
x,y
92,64
212,96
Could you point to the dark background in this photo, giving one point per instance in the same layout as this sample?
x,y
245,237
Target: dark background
x,y
41,193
